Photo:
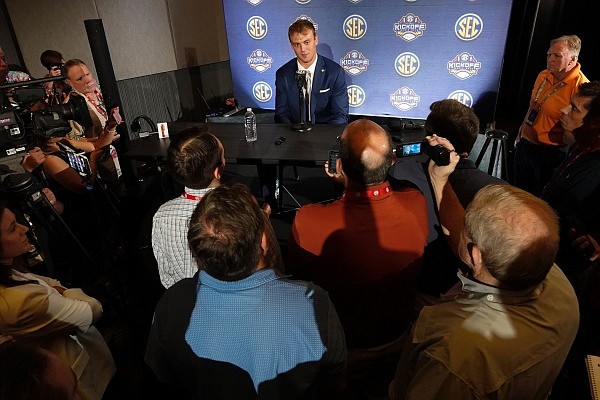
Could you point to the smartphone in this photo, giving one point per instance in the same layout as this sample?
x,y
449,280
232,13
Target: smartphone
x,y
117,116
333,156
79,163
409,149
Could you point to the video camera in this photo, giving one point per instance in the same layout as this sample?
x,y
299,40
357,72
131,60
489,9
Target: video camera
x,y
17,120
439,154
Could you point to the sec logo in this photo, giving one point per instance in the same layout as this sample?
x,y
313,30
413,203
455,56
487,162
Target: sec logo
x,y
462,96
356,96
355,27
407,64
262,91
468,27
256,27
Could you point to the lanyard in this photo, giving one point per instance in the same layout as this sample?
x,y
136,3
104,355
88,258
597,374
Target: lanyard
x,y
191,196
101,110
539,91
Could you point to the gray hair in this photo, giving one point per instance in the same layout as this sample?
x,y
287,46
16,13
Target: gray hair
x,y
572,41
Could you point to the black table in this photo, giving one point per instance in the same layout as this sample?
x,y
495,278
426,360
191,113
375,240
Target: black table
x,y
308,148
298,149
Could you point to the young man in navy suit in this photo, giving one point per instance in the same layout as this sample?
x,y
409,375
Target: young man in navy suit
x,y
328,97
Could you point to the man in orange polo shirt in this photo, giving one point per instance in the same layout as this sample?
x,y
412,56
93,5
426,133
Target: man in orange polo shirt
x,y
539,147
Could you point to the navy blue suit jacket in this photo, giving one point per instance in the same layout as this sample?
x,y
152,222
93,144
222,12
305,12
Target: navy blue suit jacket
x,y
329,96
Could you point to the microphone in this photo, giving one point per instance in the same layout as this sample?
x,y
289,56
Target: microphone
x,y
301,78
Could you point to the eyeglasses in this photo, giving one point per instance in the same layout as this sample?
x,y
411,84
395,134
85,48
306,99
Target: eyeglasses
x,y
280,140
56,67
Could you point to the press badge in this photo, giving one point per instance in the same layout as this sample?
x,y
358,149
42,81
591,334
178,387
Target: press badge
x,y
531,117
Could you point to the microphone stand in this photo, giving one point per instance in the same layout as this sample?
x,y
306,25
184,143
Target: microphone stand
x,y
303,126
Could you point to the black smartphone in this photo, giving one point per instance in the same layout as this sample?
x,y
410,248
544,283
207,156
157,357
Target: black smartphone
x,y
79,163
333,156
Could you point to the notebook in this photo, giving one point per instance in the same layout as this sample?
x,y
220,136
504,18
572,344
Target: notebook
x,y
593,369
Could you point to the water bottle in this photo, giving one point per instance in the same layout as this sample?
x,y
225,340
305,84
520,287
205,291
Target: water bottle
x,y
250,125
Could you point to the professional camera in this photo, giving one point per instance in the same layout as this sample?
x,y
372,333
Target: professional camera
x,y
54,120
17,120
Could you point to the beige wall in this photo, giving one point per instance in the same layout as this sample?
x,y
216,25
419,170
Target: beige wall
x,y
198,32
144,36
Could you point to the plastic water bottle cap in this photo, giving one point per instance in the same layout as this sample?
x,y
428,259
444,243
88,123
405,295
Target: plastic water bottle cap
x,y
248,109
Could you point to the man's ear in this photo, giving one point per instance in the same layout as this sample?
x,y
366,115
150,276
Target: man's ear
x,y
264,243
475,254
217,172
338,166
316,40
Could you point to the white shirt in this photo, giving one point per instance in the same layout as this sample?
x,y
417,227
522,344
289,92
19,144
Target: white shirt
x,y
309,80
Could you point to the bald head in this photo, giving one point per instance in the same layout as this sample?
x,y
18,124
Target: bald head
x,y
365,153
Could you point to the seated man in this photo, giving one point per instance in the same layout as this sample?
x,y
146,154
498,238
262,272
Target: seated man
x,y
328,96
195,159
364,249
239,329
506,329
459,124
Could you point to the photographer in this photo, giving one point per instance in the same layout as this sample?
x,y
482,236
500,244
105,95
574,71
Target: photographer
x,y
56,91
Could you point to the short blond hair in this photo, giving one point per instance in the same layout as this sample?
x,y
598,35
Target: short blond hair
x,y
516,232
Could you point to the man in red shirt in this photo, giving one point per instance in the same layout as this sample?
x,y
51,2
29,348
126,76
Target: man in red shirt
x,y
365,249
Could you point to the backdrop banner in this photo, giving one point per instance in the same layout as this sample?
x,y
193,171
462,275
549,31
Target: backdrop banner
x,y
399,55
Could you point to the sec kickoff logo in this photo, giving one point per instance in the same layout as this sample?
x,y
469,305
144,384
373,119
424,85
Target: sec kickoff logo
x,y
307,18
255,2
262,91
468,27
410,27
462,96
256,27
405,98
259,60
464,65
407,64
355,1
356,96
355,27
354,62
